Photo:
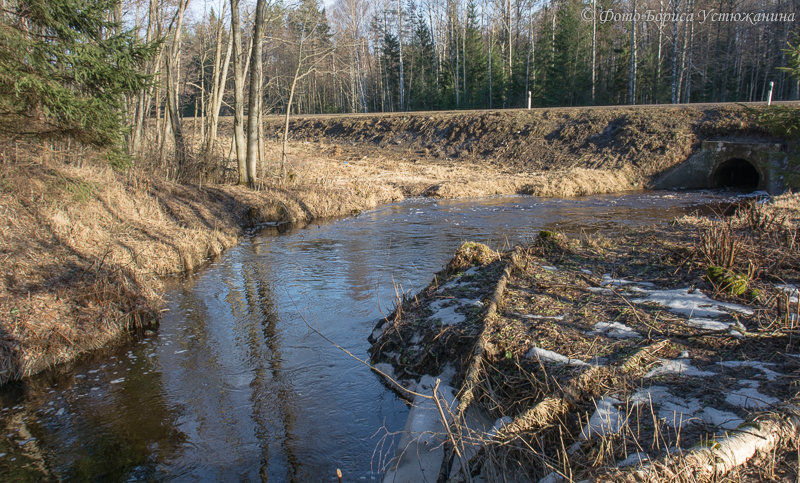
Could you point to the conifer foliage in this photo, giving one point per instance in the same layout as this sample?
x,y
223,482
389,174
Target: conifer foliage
x,y
65,67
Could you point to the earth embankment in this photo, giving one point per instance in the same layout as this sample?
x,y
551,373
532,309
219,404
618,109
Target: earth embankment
x,y
545,152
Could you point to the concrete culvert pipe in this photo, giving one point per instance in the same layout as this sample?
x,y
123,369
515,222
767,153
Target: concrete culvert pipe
x,y
736,173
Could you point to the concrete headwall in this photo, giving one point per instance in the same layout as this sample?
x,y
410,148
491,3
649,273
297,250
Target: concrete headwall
x,y
748,165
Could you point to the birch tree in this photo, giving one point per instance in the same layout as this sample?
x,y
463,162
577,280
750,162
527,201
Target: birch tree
x,y
256,63
238,94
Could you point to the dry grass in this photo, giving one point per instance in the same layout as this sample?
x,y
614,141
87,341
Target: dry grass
x,y
84,247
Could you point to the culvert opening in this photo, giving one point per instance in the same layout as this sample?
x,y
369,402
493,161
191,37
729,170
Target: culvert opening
x,y
736,173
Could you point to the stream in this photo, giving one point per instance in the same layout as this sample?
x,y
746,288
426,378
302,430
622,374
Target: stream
x,y
235,386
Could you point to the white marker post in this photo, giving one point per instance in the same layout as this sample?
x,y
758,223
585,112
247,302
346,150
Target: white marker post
x,y
529,99
769,94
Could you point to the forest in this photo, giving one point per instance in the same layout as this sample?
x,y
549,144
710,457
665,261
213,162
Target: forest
x,y
130,73
362,56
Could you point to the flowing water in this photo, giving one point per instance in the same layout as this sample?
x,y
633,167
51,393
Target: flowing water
x,y
235,386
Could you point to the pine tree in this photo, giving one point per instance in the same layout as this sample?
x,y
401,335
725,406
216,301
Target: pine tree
x,y
65,67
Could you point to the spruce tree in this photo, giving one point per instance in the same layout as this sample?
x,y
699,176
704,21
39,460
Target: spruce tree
x,y
424,90
65,67
570,75
477,95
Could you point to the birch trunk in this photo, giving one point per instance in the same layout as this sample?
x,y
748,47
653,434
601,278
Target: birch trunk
x,y
219,77
256,63
172,88
238,94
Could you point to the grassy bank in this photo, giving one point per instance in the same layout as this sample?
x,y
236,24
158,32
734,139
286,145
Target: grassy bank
x,y
84,248
658,354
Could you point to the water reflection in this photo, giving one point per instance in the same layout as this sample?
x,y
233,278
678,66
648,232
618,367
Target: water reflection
x,y
87,425
236,386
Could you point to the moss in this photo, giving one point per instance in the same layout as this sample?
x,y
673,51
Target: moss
x,y
551,241
791,176
470,254
726,280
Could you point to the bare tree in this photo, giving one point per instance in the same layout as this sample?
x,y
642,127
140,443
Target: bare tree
x,y
594,50
238,93
256,63
632,80
218,80
143,100
309,58
172,67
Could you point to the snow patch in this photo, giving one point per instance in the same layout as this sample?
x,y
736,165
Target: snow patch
x,y
720,419
636,459
677,411
615,330
606,419
552,478
748,397
499,424
681,367
550,356
708,324
457,281
378,331
609,280
688,303
794,292
539,317
447,315
420,449
769,374
472,302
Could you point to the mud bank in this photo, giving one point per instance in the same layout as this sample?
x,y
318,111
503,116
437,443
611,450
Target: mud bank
x,y
664,353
